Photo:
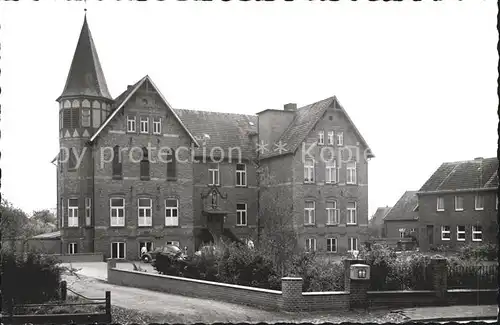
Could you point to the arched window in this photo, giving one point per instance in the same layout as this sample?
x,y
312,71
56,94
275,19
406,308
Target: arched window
x,y
85,103
117,163
75,103
96,104
67,104
145,164
72,159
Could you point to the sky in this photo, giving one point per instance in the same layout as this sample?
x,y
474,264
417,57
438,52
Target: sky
x,y
418,79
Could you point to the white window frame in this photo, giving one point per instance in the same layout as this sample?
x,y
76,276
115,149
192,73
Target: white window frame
x,y
72,213
351,177
475,232
116,221
350,242
213,175
477,199
309,171
144,124
146,245
440,199
331,240
241,175
310,244
62,213
171,221
119,250
310,212
332,214
457,197
72,248
157,125
340,138
240,213
402,232
352,212
445,232
86,117
88,211
131,124
460,232
331,176
321,137
147,213
331,138
174,243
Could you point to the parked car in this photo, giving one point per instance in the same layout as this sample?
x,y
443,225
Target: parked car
x,y
171,251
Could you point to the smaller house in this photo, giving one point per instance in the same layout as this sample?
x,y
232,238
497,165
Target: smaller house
x,y
48,243
402,220
376,224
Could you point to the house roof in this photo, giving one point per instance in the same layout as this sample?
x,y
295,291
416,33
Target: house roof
x,y
225,130
50,235
404,208
85,75
304,121
378,217
463,175
121,100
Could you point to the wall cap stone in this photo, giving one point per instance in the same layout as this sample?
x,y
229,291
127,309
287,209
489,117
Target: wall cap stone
x,y
291,279
402,291
325,293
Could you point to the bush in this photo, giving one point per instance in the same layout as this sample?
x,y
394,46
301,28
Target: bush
x,y
32,278
482,252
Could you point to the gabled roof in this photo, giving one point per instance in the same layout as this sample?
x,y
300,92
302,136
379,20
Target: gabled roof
x,y
305,120
404,208
225,130
121,100
463,175
378,217
85,75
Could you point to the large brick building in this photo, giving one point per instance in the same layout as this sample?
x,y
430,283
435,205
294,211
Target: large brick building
x,y
458,204
134,171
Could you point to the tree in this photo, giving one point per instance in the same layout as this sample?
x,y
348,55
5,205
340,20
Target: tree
x,y
45,216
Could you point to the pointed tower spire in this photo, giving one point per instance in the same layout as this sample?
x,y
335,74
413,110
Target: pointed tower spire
x,y
85,75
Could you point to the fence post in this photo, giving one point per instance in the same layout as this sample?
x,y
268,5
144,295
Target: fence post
x,y
291,292
64,290
108,305
439,267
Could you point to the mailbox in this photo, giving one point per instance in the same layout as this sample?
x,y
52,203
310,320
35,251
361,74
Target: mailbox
x,y
360,272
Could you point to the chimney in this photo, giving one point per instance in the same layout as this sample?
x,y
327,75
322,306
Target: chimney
x,y
478,158
291,107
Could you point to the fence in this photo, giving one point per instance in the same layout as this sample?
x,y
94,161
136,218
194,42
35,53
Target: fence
x,y
400,277
93,310
472,277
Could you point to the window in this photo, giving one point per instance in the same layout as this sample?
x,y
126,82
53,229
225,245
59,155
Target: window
x,y
459,203
309,217
321,137
351,213
72,248
88,211
145,164
440,203
330,137
477,233
148,244
73,213
174,243
171,165
241,175
118,250
331,245
72,159
66,122
351,173
461,233
331,172
157,125
144,124
61,209
402,232
171,212
86,117
130,123
445,233
332,213
144,212
117,212
241,214
75,118
479,202
496,201
352,244
96,117
340,139
117,162
309,171
213,174
310,245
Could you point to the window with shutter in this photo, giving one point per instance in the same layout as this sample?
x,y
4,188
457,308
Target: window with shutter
x,y
75,118
66,118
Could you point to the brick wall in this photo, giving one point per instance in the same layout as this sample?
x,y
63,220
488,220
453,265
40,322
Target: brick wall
x,y
392,227
401,299
81,257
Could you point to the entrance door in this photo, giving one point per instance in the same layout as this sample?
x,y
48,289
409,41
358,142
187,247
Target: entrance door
x,y
430,234
147,244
